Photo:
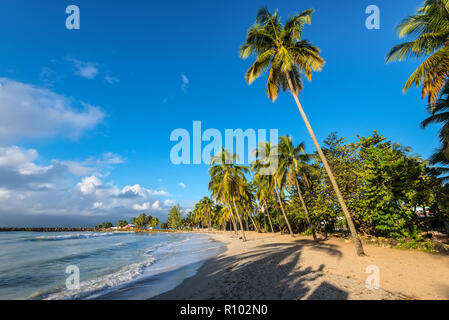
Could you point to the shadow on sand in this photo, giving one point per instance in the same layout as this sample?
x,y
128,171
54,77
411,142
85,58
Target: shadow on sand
x,y
268,271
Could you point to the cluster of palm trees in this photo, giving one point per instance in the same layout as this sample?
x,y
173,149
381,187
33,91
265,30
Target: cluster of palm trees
x,y
280,50
239,199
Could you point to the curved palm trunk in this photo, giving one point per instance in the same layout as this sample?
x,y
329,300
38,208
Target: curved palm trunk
x,y
209,221
256,226
282,209
240,219
269,218
231,214
305,210
264,220
355,238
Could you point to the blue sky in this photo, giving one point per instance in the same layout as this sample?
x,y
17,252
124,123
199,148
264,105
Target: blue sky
x,y
87,114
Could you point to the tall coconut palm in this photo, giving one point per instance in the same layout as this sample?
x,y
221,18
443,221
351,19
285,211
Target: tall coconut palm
x,y
265,153
430,29
228,182
293,163
280,50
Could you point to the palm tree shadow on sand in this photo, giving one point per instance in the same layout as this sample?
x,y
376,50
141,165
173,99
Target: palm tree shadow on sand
x,y
267,272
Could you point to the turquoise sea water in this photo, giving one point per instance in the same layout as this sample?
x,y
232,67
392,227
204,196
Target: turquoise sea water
x,y
111,265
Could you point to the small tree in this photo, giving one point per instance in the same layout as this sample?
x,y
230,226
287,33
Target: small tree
x,y
174,220
122,223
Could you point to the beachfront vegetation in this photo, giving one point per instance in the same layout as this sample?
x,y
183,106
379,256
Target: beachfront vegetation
x,y
104,225
143,221
384,184
280,50
174,220
122,223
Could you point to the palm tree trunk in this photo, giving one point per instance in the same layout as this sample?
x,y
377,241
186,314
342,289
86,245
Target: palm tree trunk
x,y
305,210
256,226
282,208
231,214
355,237
209,222
265,222
279,222
240,219
269,218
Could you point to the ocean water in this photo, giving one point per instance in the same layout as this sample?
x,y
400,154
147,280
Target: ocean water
x,y
113,265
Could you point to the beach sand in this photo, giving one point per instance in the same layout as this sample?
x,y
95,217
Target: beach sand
x,y
274,266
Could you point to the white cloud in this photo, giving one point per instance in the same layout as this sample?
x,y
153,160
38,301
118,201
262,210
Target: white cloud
x,y
93,166
185,82
87,70
36,191
89,185
143,206
182,185
111,80
169,203
96,205
156,205
27,111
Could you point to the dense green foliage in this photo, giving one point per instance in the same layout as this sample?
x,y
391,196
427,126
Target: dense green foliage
x,y
104,225
382,182
174,220
144,220
122,223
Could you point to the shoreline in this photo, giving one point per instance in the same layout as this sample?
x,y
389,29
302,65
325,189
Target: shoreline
x,y
277,267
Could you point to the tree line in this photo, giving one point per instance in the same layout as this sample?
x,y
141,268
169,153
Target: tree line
x,y
382,182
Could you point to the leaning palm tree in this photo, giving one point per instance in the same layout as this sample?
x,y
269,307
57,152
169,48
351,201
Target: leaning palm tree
x,y
228,182
293,163
430,29
280,50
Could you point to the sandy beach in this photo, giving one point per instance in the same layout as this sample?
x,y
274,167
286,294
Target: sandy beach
x,y
274,266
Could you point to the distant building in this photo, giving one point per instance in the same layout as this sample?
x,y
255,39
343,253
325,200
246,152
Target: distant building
x,y
421,213
129,227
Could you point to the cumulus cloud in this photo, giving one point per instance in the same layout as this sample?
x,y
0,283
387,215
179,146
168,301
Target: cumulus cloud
x,y
143,206
28,111
89,185
28,188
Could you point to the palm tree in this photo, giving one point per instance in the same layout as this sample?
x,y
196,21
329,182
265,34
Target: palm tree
x,y
294,162
207,206
266,151
430,28
228,182
280,50
263,193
